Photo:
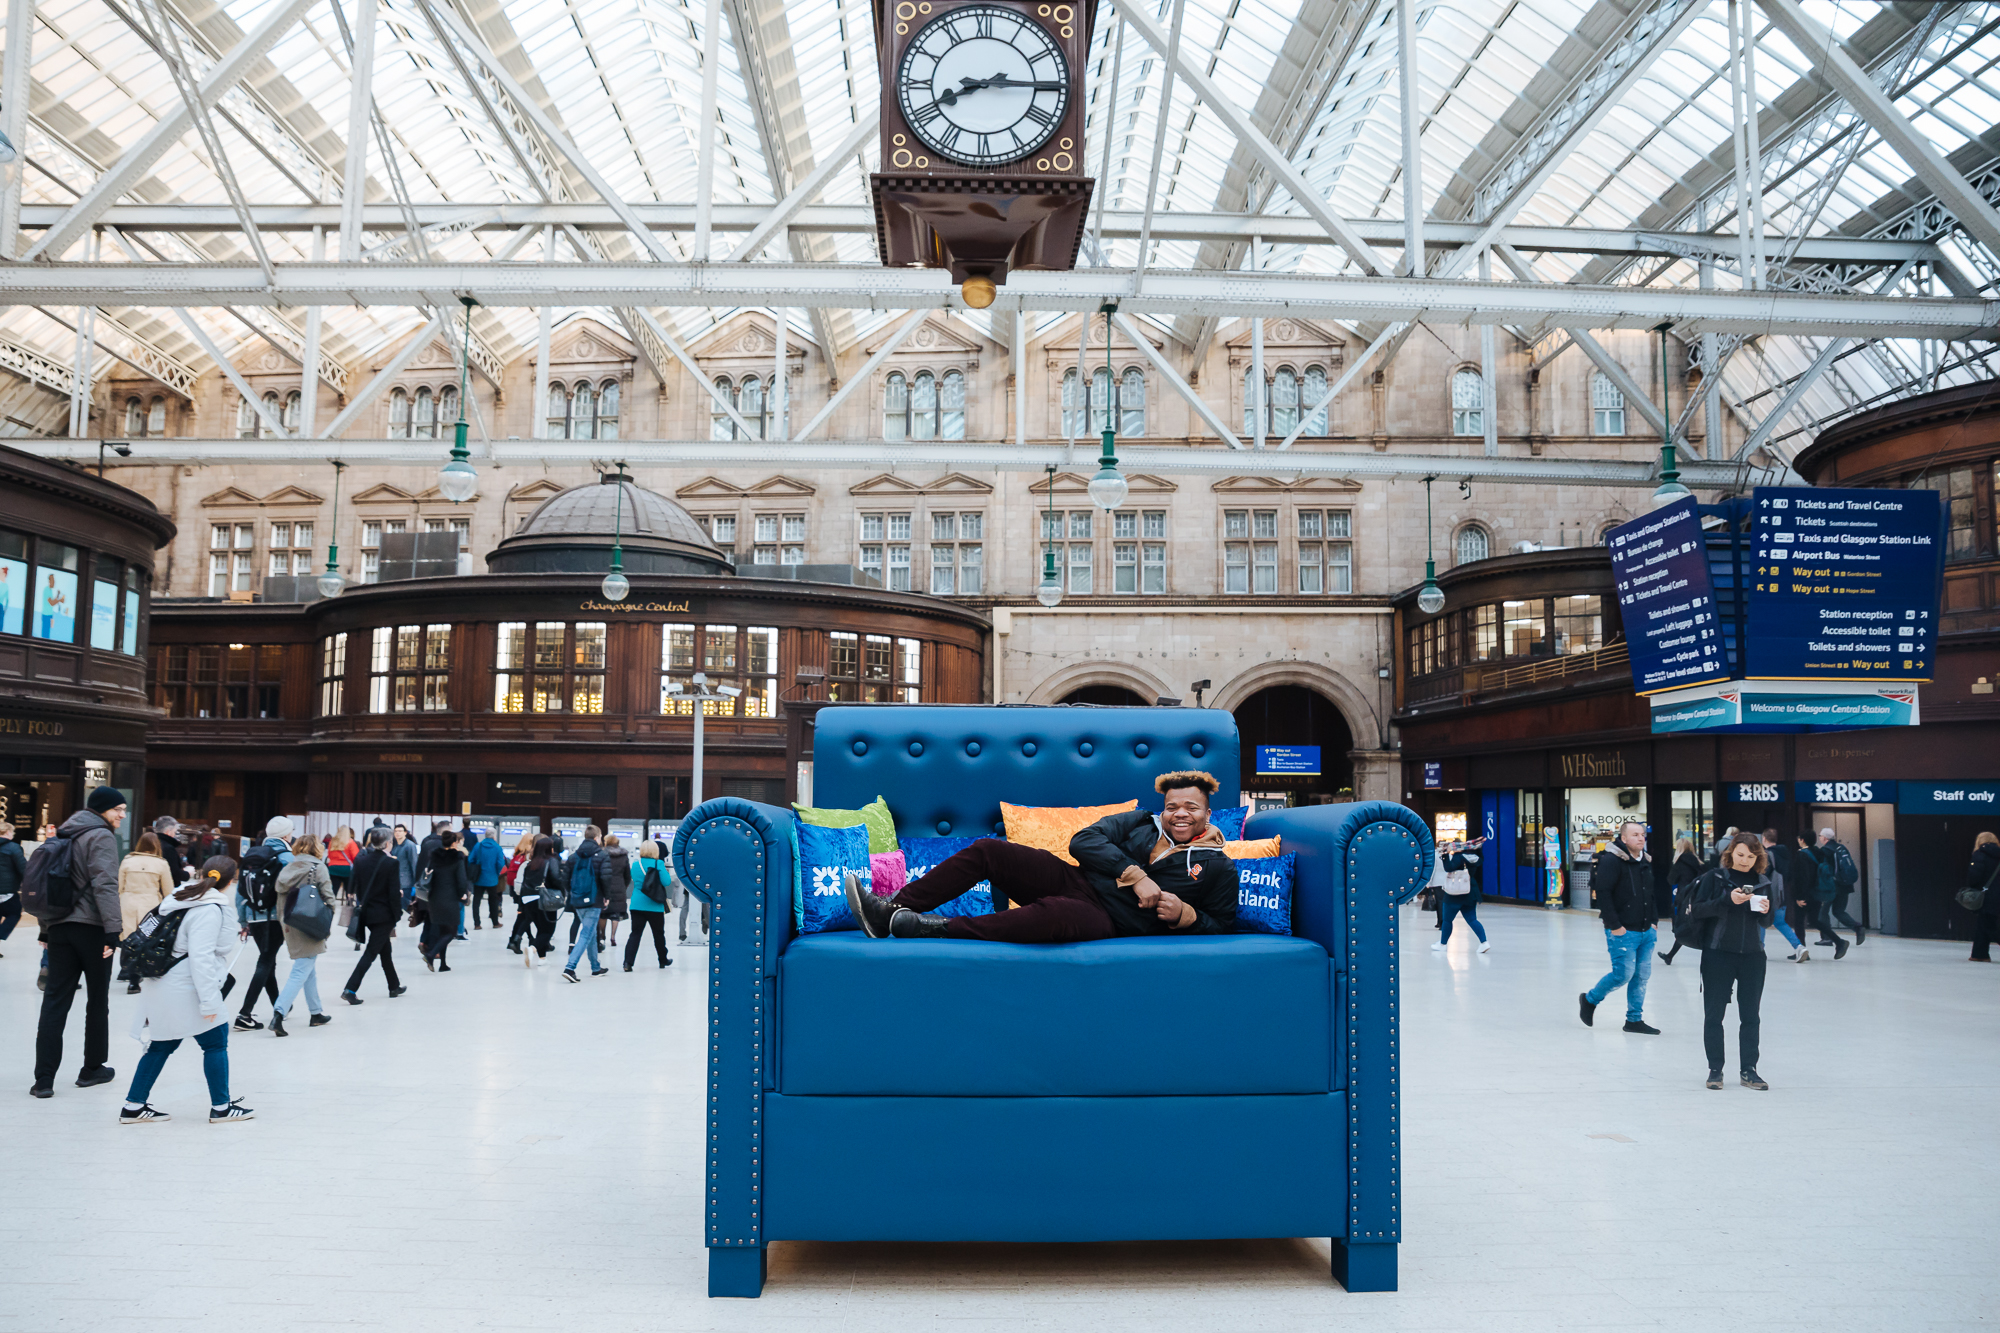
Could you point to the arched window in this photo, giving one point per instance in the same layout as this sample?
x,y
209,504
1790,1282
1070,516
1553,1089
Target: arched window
x,y
582,411
1284,401
1072,406
607,410
1607,406
135,417
895,406
951,406
923,406
1473,544
399,415
156,417
1312,394
720,427
293,403
1468,403
750,404
1249,400
423,416
558,411
1132,402
271,410
1100,398
447,407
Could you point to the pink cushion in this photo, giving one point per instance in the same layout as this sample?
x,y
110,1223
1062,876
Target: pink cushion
x,y
889,873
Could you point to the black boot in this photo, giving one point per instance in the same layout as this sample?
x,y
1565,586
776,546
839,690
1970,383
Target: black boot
x,y
1860,935
909,925
872,912
278,1026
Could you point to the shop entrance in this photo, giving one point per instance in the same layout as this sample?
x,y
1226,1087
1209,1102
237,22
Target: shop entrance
x,y
30,803
1594,817
1850,826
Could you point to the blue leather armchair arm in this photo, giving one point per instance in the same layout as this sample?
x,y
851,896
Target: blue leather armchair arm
x,y
737,856
1356,863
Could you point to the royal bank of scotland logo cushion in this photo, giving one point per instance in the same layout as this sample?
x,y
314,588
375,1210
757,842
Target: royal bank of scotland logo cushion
x,y
825,857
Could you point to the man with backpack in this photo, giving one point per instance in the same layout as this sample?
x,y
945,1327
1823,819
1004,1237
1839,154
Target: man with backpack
x,y
484,862
1846,875
71,889
257,910
586,901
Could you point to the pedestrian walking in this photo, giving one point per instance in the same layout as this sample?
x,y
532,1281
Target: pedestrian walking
x,y
144,879
405,853
649,904
1980,879
587,847
1780,869
1686,869
445,889
308,867
257,912
340,852
187,1001
484,862
1459,896
1737,898
378,902
1846,875
13,869
615,870
1622,878
168,830
544,890
1817,863
586,901
80,934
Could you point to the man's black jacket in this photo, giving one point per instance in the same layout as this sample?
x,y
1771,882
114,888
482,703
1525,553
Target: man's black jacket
x,y
1624,889
1200,875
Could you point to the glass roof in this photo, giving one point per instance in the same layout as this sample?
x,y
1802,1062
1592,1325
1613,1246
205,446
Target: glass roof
x,y
623,80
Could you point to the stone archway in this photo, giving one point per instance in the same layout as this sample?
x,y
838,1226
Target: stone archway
x,y
1114,696
1362,720
1060,685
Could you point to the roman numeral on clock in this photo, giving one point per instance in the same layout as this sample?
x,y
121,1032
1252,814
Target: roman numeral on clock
x,y
925,114
1041,116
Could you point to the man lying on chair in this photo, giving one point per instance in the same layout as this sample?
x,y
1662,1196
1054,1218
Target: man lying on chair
x,y
1138,873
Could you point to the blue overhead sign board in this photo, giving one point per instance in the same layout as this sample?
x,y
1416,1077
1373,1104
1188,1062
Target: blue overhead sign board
x,y
1288,761
1776,706
1948,798
1433,776
1659,564
1844,584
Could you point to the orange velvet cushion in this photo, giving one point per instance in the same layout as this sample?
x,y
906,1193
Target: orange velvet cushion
x,y
1251,849
1050,827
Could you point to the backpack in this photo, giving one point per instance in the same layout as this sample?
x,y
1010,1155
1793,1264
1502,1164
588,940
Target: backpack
x,y
652,887
583,883
149,950
1690,933
1845,873
257,883
48,893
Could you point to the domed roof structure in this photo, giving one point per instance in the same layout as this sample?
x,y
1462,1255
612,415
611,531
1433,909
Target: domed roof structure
x,y
573,533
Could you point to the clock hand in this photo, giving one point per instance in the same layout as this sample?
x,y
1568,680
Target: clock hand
x,y
1002,81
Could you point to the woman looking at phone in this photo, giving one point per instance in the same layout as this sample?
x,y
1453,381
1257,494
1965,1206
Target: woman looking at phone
x,y
1736,897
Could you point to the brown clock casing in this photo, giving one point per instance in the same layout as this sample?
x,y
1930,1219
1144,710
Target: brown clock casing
x,y
980,221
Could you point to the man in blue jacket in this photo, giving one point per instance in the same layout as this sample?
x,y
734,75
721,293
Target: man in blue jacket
x,y
1135,873
485,862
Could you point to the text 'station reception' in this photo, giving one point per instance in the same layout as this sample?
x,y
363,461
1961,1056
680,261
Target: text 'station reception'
x,y
1844,584
1660,566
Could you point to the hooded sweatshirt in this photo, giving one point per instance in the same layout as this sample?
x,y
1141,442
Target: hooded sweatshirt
x,y
93,868
1119,850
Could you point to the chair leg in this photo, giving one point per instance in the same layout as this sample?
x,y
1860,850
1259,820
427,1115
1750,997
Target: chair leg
x,y
736,1271
1364,1267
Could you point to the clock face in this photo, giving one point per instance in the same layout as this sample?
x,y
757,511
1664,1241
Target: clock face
x,y
983,85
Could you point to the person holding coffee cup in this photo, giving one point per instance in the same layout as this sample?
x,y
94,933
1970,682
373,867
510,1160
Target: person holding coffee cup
x,y
1733,904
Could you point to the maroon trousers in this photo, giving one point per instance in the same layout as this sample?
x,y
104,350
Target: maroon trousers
x,y
1057,903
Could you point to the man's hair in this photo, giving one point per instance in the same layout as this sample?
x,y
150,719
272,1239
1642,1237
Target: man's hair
x,y
1770,835
1826,833
1630,823
1204,783
440,826
378,836
593,832
404,827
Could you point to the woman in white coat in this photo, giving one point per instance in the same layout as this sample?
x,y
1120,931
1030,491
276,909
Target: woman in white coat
x,y
187,1001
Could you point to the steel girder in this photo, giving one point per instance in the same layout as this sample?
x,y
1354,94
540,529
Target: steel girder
x,y
959,455
866,286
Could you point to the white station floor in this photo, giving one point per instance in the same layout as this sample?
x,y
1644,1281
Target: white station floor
x,y
499,1149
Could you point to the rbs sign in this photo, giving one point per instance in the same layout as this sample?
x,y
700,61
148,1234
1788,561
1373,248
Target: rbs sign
x,y
1847,793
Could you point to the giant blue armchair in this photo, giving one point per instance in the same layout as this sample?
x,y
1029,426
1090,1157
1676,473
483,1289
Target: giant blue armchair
x,y
956,1090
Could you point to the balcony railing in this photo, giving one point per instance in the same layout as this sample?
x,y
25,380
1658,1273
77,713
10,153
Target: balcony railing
x,y
1473,683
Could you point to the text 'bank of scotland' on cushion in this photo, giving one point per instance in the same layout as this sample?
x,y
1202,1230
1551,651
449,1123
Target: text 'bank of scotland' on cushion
x,y
922,855
825,856
1264,894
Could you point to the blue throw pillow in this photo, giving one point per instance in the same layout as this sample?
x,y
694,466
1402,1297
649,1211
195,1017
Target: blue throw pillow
x,y
923,854
1230,821
825,856
1264,894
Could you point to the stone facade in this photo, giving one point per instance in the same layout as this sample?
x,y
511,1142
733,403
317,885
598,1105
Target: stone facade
x,y
1244,580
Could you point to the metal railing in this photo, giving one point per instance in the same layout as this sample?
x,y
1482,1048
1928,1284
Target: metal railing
x,y
1469,684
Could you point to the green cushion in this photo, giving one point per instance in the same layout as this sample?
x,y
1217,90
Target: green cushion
x,y
881,824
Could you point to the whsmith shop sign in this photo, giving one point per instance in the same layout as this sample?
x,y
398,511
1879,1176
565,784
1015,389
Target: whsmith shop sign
x,y
1797,610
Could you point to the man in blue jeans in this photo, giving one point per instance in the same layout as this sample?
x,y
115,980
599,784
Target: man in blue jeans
x,y
1622,878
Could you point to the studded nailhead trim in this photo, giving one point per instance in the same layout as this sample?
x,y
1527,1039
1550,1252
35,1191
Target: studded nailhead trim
x,y
724,947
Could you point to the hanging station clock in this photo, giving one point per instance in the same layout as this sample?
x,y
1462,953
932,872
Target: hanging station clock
x,y
982,138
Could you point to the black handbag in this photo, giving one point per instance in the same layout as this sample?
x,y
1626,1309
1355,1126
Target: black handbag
x,y
1974,900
